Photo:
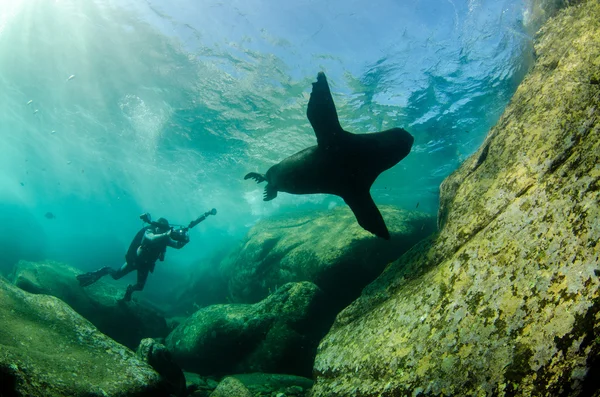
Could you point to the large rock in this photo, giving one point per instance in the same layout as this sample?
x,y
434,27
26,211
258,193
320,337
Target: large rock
x,y
231,387
259,384
267,385
505,300
159,358
47,350
126,323
278,335
328,248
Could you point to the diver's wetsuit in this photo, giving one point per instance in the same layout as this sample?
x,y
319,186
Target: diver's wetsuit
x,y
152,248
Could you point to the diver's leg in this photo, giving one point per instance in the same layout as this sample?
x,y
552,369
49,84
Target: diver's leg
x,y
142,276
90,278
123,270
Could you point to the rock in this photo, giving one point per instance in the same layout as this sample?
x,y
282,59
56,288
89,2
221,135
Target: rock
x,y
47,350
261,384
199,385
278,335
231,387
126,323
505,300
328,248
159,358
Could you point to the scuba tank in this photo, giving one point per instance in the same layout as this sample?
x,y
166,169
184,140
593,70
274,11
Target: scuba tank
x,y
131,254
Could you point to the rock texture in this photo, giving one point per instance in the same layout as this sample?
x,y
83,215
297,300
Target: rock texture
x,y
278,335
158,357
327,248
231,387
126,323
505,300
268,385
47,349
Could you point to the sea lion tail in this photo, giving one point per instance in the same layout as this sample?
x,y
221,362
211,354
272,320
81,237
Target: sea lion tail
x,y
256,176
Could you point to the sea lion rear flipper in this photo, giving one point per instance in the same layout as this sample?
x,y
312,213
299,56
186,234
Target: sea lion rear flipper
x,y
256,176
367,214
322,114
270,192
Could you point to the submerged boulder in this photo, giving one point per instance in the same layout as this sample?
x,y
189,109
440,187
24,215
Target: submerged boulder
x,y
278,334
47,349
231,387
158,357
267,385
126,323
505,300
327,248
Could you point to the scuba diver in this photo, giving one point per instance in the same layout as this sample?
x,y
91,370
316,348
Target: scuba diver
x,y
148,245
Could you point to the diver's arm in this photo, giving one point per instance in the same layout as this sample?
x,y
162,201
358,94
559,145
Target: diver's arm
x,y
150,236
177,244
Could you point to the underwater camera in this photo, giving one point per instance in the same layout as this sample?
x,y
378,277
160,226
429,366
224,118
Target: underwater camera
x,y
180,234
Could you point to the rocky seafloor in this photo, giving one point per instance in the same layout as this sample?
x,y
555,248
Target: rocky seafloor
x,y
501,300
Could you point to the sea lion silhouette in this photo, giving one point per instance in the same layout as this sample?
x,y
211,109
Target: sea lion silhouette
x,y
342,163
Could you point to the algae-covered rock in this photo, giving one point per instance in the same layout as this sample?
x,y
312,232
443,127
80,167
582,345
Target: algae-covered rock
x,y
267,385
126,323
505,300
231,387
198,385
278,334
47,349
328,248
158,357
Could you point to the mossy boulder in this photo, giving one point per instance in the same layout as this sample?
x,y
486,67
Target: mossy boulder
x,y
158,357
327,248
505,299
198,385
279,334
259,384
231,387
267,385
47,349
127,323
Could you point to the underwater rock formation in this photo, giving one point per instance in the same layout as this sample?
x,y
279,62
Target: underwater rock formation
x,y
97,303
278,335
268,385
505,300
47,349
159,358
231,387
199,386
327,248
259,384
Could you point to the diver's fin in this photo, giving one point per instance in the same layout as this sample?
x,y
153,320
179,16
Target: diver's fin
x,y
256,176
270,193
322,114
90,278
367,214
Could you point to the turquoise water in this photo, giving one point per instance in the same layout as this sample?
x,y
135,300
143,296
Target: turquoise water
x,y
113,108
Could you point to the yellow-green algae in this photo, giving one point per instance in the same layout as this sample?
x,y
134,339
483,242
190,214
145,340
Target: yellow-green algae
x,y
504,300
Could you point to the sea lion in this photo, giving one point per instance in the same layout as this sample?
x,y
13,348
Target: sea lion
x,y
342,163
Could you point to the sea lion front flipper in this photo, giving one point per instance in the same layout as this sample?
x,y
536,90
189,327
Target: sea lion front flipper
x,y
367,214
256,176
322,114
270,192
